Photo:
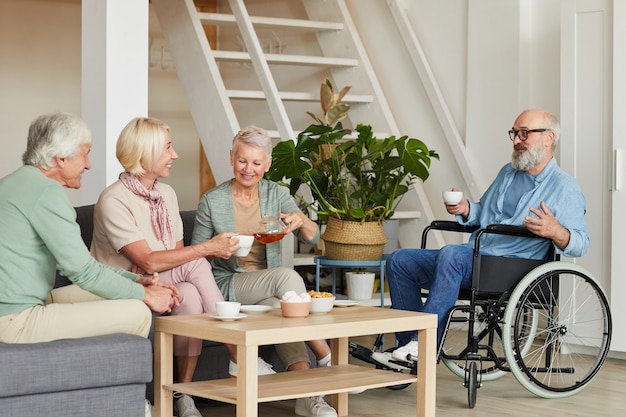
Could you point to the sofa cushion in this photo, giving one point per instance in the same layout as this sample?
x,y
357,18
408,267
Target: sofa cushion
x,y
70,364
84,218
189,218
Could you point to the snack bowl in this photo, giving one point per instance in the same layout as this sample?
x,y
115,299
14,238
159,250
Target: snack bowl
x,y
322,304
295,308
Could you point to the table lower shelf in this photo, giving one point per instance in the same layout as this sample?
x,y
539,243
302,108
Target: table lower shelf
x,y
297,384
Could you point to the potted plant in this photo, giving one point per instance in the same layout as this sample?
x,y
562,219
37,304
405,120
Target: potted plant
x,y
355,182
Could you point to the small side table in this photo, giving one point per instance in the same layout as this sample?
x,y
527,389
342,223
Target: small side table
x,y
324,262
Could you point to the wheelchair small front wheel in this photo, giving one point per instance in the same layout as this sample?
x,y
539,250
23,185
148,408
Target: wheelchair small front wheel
x,y
472,383
572,338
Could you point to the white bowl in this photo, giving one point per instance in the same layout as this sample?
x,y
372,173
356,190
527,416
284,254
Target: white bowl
x,y
452,197
322,304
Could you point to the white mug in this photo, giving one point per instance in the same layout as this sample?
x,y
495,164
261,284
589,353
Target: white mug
x,y
245,244
227,308
452,197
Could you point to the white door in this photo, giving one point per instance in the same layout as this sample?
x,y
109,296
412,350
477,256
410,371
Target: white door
x,y
587,144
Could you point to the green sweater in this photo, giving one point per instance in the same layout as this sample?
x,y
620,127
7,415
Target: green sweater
x,y
215,215
38,234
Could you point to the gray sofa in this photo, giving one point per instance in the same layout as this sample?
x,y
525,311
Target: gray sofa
x,y
102,376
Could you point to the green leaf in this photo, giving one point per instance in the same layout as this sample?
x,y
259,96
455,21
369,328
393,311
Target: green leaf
x,y
336,113
326,96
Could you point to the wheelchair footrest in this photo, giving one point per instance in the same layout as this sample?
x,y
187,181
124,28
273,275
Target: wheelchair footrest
x,y
361,353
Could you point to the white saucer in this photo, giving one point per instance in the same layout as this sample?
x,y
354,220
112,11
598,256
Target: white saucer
x,y
227,318
255,309
345,303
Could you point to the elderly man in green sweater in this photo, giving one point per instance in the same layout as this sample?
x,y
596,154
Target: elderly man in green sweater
x,y
39,233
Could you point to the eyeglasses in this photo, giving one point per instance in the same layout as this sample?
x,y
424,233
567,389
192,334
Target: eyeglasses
x,y
523,133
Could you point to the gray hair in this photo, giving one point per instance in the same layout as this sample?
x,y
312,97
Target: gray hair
x,y
253,136
553,124
55,135
550,121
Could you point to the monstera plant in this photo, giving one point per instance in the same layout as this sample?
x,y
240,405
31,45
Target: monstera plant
x,y
355,182
358,178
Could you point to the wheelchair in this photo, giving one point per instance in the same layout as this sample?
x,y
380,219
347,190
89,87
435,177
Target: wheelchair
x,y
546,321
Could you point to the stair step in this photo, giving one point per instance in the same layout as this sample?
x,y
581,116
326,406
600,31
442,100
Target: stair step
x,y
295,96
406,215
272,22
283,59
353,135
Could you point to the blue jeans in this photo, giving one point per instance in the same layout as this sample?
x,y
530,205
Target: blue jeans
x,y
442,272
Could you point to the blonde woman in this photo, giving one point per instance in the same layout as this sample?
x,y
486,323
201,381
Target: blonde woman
x,y
137,226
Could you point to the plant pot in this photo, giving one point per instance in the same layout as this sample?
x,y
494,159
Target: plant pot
x,y
360,285
354,241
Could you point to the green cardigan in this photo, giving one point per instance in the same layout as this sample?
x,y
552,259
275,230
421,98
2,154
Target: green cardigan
x,y
215,215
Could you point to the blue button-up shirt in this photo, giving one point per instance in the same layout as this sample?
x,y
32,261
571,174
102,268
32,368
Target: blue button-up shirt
x,y
561,194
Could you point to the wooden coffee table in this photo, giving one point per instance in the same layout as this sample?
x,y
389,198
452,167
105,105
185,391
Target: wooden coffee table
x,y
249,389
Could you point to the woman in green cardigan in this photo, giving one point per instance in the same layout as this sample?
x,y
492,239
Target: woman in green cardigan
x,y
258,278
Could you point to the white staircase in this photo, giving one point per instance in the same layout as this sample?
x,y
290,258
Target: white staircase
x,y
266,69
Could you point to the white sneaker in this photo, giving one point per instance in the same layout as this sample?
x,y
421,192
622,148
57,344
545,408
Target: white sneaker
x,y
407,352
185,407
314,407
148,409
263,368
385,359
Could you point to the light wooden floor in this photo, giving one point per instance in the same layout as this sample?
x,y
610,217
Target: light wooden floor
x,y
604,396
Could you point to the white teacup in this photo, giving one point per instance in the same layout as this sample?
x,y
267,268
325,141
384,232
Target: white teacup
x,y
245,244
452,197
227,308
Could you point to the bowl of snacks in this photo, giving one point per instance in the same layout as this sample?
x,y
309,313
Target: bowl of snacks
x,y
294,305
321,301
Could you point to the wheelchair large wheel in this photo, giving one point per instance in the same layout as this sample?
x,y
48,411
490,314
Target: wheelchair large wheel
x,y
487,328
573,335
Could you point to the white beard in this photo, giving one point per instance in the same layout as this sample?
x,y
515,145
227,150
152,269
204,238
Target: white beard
x,y
526,160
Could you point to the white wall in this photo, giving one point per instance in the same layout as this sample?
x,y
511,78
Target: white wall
x,y
39,68
40,72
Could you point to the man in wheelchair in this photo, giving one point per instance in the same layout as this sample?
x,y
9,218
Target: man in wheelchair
x,y
530,191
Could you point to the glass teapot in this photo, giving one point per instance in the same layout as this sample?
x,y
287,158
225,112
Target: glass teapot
x,y
271,229
271,224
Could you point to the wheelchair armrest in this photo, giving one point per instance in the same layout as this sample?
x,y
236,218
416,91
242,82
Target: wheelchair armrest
x,y
448,226
511,230
508,229
451,226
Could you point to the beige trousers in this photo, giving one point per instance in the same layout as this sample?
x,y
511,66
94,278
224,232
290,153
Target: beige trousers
x,y
266,286
71,312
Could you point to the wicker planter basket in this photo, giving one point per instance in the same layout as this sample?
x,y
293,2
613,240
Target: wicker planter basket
x,y
354,241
